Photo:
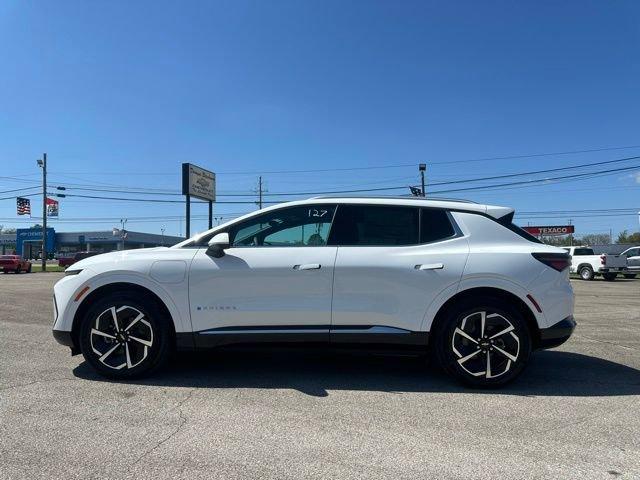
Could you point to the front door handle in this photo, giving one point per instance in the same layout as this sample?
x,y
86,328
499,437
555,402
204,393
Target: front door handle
x,y
430,266
307,266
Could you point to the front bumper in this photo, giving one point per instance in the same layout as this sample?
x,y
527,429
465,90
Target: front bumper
x,y
63,338
558,333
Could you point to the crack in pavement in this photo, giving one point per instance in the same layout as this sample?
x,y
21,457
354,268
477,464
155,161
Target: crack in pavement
x,y
183,421
21,385
604,341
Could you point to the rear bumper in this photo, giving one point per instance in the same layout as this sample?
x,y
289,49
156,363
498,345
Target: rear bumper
x,y
558,333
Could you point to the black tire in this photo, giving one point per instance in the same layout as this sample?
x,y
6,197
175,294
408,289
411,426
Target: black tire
x,y
630,276
17,270
586,273
609,277
153,328
29,269
451,346
5,271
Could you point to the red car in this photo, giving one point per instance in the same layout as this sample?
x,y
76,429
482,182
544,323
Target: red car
x,y
68,261
14,263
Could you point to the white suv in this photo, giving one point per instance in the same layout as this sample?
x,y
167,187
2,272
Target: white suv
x,y
395,274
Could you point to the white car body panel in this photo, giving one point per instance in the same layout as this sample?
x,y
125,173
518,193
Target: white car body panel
x,y
258,286
360,285
130,266
381,285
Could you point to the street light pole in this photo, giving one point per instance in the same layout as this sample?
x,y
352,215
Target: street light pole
x,y
422,167
162,232
43,164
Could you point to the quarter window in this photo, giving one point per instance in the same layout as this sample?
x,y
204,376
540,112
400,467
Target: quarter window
x,y
306,226
435,225
375,225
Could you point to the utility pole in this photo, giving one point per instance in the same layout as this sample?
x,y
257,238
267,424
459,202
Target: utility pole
x,y
162,233
570,235
43,164
260,192
422,167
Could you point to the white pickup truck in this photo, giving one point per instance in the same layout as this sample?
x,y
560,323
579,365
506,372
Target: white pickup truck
x,y
587,264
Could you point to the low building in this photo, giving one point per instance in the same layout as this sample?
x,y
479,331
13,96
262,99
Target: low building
x,y
27,242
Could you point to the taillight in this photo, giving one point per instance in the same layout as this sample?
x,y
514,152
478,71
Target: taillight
x,y
557,261
603,259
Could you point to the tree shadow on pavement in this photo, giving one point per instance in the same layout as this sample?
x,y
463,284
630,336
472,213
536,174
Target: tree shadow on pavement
x,y
549,373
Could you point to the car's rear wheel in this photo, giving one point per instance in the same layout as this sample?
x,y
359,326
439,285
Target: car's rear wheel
x,y
122,336
29,269
483,345
609,277
17,270
630,275
586,273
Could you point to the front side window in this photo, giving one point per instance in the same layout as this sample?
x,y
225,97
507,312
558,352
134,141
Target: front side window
x,y
375,225
305,226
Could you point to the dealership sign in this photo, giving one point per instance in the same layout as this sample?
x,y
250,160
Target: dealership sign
x,y
198,182
550,230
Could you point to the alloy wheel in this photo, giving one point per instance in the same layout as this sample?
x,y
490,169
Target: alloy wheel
x,y
121,337
485,344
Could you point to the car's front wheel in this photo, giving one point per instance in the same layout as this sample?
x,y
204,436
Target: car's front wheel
x,y
483,345
123,336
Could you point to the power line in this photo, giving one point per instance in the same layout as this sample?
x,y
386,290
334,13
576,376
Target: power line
x,y
382,189
529,182
374,167
536,172
535,155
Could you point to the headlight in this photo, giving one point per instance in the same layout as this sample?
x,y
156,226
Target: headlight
x,y
72,272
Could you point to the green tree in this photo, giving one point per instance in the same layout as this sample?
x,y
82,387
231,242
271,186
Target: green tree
x,y
626,237
594,239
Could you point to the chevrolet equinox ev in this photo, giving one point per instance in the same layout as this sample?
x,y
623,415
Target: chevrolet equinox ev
x,y
454,278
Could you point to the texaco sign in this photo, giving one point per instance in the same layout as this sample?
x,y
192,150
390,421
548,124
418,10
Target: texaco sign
x,y
550,230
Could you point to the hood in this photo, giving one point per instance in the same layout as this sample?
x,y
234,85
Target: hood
x,y
117,256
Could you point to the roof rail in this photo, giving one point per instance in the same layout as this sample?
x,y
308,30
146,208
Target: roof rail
x,y
396,197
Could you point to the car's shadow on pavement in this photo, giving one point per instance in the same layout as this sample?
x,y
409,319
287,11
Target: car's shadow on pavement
x,y
550,373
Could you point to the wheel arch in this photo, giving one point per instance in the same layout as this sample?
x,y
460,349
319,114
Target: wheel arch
x,y
585,264
111,288
484,292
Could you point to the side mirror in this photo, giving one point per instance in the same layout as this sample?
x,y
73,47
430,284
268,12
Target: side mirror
x,y
218,244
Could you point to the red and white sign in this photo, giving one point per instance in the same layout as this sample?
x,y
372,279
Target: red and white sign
x,y
550,230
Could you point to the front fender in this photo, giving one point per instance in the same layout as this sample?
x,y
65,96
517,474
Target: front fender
x,y
175,297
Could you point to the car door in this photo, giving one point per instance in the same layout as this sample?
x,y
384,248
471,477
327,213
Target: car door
x,y
275,279
392,263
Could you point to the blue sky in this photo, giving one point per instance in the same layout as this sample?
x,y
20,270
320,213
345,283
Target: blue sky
x,y
119,94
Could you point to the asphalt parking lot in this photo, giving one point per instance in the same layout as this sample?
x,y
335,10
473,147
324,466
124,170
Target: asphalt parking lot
x,y
574,413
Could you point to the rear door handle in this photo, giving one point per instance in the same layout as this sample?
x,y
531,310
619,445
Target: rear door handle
x,y
430,266
307,266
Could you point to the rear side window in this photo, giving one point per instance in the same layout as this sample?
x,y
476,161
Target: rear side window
x,y
375,225
435,225
583,251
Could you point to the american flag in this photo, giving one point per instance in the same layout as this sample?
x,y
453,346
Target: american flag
x,y
24,206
